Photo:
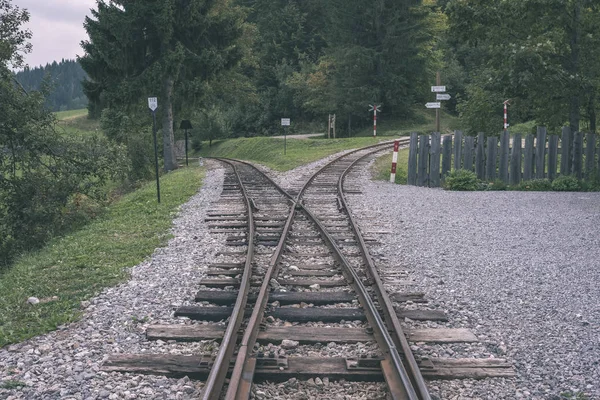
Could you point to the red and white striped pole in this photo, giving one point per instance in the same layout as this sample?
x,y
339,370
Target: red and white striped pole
x,y
394,161
506,104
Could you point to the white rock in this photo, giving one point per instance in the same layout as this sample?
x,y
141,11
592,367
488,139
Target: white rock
x,y
33,300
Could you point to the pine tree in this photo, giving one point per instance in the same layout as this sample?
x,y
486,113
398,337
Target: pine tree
x,y
165,48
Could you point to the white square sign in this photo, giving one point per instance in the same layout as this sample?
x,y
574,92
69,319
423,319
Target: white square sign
x,y
285,122
152,103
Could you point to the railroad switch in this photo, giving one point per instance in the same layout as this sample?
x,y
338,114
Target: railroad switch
x,y
271,361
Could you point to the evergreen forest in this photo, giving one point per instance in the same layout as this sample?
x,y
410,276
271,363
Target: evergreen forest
x,y
63,81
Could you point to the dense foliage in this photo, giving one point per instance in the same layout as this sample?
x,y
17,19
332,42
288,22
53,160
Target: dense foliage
x,y
47,181
63,82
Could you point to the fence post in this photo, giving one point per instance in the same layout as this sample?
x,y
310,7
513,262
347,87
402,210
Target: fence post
x,y
565,151
504,146
528,167
515,161
552,156
457,149
447,155
479,156
540,153
412,159
423,161
469,147
590,151
490,165
577,154
434,159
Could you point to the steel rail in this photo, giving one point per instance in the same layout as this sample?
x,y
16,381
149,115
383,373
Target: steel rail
x,y
243,372
384,300
218,372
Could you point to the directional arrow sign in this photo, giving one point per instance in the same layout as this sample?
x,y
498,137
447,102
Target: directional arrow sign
x,y
433,105
442,96
436,89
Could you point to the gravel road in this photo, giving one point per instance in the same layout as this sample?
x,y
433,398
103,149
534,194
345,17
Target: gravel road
x,y
521,270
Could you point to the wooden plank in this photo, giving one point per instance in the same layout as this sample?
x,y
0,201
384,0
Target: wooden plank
x,y
415,297
515,161
468,153
315,334
578,155
480,156
441,335
446,155
490,157
434,159
412,159
540,153
458,149
224,272
423,161
311,314
198,367
284,298
220,283
422,315
528,158
503,162
590,152
552,156
565,153
304,272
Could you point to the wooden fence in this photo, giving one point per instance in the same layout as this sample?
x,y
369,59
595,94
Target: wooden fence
x,y
514,160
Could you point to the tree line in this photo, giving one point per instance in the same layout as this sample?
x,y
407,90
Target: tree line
x,y
62,81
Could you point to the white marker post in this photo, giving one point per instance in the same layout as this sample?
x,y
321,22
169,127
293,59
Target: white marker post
x,y
506,104
153,105
374,108
285,122
394,161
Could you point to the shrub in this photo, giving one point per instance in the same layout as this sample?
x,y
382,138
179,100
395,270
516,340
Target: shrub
x,y
462,180
535,185
496,185
566,183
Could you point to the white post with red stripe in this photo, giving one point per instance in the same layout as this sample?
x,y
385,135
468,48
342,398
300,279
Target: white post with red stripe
x,y
506,104
394,161
374,108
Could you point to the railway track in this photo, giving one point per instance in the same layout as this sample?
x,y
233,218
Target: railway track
x,y
299,275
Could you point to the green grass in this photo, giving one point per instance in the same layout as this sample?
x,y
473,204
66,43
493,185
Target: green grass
x,y
422,122
76,267
269,151
66,115
381,168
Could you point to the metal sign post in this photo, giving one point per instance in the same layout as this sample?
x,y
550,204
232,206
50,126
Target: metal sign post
x,y
374,108
185,125
285,122
153,105
506,104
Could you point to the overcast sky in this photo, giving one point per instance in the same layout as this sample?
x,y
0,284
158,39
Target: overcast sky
x,y
57,27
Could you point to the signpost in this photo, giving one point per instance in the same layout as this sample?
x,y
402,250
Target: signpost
x,y
438,89
285,122
186,124
442,96
434,105
374,108
394,161
153,105
506,104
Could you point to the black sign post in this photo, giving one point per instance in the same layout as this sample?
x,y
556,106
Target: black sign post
x,y
153,105
186,124
285,122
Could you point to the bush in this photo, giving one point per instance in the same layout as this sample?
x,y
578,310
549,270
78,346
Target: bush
x,y
535,185
496,185
462,180
566,183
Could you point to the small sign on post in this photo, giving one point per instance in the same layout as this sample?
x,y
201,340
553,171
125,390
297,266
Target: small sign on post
x,y
438,89
285,122
374,108
442,96
153,105
434,105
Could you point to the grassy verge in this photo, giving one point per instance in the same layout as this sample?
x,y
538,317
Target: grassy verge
x,y
422,122
76,267
269,151
382,166
66,115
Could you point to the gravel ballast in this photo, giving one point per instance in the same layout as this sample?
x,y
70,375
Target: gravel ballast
x,y
520,269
